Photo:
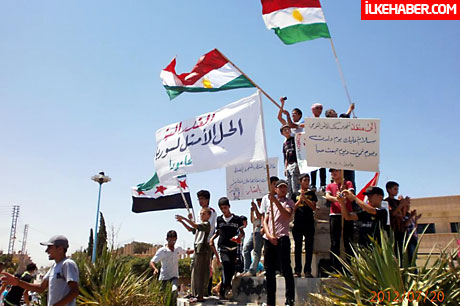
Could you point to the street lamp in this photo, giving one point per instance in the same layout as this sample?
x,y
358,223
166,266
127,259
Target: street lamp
x,y
100,178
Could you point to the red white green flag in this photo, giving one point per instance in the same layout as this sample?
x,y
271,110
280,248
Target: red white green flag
x,y
373,182
295,20
212,72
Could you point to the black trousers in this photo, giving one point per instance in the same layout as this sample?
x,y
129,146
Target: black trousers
x,y
335,224
228,259
322,177
278,253
298,233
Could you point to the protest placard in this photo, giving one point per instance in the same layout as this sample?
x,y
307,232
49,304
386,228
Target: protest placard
x,y
249,180
230,135
301,153
351,144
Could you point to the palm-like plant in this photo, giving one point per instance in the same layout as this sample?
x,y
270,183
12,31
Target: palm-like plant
x,y
376,276
111,282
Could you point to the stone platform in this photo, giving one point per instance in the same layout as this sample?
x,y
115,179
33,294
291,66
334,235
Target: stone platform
x,y
252,291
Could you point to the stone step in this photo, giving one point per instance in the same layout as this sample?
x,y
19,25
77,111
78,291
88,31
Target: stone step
x,y
252,291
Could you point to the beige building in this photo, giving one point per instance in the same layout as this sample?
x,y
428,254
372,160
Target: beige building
x,y
442,215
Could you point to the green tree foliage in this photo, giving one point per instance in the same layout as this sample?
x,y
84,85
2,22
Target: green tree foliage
x,y
101,236
110,282
141,247
89,250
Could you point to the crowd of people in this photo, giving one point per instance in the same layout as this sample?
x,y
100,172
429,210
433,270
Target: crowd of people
x,y
292,200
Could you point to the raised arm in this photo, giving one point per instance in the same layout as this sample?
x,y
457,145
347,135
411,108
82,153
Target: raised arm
x,y
257,213
351,197
181,219
345,213
281,111
350,109
14,281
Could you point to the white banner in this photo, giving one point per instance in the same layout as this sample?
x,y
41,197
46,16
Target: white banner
x,y
231,135
249,180
301,153
351,144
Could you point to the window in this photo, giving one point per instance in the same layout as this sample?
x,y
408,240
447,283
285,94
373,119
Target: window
x,y
430,230
454,227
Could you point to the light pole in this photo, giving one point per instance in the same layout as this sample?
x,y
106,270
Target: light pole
x,y
100,178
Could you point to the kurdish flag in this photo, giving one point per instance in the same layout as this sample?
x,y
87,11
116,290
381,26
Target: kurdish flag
x,y
153,195
295,20
213,72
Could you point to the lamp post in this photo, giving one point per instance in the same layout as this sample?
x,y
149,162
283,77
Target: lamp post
x,y
100,178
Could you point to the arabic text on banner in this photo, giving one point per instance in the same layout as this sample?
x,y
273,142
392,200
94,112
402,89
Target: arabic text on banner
x,y
351,144
301,153
249,180
230,135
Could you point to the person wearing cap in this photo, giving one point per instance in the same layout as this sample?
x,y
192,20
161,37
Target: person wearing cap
x,y
13,298
62,278
277,244
335,216
373,217
291,168
230,230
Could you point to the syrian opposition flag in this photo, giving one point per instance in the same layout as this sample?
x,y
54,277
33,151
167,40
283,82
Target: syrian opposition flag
x,y
213,72
153,195
295,20
373,182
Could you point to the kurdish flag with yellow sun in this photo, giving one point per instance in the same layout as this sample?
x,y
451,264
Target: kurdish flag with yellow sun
x,y
295,20
213,72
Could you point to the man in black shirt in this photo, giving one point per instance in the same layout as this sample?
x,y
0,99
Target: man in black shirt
x,y
304,225
373,217
13,298
229,229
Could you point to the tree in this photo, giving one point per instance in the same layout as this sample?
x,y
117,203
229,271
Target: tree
x,y
89,250
141,247
101,236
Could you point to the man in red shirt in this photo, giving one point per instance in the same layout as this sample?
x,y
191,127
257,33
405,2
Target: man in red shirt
x,y
335,216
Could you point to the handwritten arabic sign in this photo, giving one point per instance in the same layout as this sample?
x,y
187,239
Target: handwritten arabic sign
x,y
301,153
228,136
351,144
249,180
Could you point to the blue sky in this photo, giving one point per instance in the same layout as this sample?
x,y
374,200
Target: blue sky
x,y
80,92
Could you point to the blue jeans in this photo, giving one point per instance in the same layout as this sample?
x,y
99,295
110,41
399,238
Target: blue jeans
x,y
293,175
253,244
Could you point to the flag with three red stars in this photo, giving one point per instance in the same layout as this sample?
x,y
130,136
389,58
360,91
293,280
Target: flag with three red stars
x,y
155,195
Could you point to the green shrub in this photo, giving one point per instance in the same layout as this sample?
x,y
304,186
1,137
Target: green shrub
x,y
376,269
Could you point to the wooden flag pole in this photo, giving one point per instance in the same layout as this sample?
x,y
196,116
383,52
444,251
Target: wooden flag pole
x,y
271,203
250,80
185,200
339,67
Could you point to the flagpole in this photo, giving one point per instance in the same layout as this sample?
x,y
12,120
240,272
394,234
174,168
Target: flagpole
x,y
266,165
185,200
342,77
250,80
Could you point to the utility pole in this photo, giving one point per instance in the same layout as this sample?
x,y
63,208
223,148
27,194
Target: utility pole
x,y
14,222
22,263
